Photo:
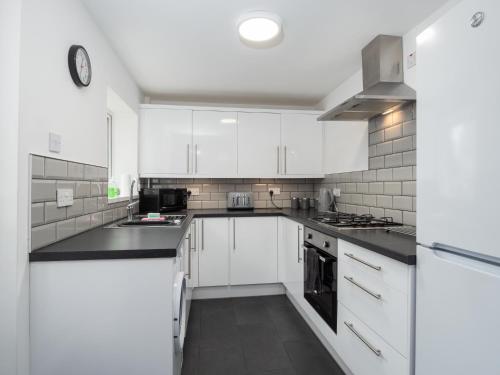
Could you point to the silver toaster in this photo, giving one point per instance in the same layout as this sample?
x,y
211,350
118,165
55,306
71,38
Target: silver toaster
x,y
240,201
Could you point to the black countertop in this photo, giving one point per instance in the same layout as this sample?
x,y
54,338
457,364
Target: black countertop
x,y
123,243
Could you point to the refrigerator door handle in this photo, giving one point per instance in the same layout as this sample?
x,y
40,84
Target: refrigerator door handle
x,y
439,247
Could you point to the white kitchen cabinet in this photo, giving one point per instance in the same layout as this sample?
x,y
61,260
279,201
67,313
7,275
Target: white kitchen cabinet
x,y
165,142
215,144
302,144
293,265
254,250
365,352
191,256
259,144
213,252
345,146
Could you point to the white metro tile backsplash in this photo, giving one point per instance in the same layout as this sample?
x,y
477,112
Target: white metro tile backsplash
x,y
90,207
388,188
213,192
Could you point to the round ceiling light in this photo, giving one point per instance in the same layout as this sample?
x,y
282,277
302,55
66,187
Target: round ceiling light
x,y
260,29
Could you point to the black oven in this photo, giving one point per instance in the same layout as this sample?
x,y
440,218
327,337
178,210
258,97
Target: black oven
x,y
320,275
162,200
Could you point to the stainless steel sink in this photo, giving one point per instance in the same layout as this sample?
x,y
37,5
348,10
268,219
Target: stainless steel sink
x,y
168,221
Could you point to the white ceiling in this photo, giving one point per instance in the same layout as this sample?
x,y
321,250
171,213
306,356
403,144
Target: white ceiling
x,y
189,50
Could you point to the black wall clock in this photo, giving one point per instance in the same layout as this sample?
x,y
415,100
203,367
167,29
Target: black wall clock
x,y
79,66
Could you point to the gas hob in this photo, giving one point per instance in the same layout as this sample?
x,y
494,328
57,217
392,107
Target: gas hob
x,y
352,221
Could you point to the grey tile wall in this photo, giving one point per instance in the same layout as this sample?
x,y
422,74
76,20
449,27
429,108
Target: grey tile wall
x,y
90,207
388,188
213,192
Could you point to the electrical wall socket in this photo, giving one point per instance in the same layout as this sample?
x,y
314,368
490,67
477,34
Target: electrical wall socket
x,y
276,191
195,191
336,192
64,197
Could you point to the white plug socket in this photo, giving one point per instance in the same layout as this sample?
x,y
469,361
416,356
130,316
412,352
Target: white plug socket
x,y
276,191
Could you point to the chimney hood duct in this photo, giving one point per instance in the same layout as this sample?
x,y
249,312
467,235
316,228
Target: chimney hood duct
x,y
384,88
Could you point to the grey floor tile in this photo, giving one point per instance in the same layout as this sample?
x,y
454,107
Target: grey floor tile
x,y
310,358
252,336
222,360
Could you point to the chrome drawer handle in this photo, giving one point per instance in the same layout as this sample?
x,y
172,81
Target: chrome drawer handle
x,y
373,294
378,268
376,351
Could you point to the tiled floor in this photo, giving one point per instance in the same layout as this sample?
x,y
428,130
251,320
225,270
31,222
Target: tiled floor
x,y
252,336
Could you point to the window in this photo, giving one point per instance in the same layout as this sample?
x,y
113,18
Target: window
x,y
109,122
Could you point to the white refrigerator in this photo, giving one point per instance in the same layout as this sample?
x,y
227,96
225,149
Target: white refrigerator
x,y
458,192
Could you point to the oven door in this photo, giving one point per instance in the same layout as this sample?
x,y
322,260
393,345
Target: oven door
x,y
320,283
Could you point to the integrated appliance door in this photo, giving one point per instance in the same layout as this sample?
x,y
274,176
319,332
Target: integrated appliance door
x,y
320,283
458,314
180,311
458,129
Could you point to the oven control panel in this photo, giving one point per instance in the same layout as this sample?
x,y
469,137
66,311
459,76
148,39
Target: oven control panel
x,y
320,240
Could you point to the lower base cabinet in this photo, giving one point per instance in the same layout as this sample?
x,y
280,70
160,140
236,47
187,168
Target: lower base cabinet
x,y
365,352
254,250
291,255
213,251
234,251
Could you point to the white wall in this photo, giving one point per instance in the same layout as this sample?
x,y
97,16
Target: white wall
x,y
10,28
49,101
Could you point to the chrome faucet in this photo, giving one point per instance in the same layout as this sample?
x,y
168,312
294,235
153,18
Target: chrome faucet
x,y
131,203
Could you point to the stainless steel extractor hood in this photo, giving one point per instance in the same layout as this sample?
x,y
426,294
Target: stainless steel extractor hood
x,y
384,88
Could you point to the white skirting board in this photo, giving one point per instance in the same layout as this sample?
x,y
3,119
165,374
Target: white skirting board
x,y
238,291
319,335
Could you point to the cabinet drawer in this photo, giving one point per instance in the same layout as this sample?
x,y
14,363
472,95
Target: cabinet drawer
x,y
370,264
382,308
364,352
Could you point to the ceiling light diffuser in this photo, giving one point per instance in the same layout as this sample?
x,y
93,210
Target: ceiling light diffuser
x,y
260,29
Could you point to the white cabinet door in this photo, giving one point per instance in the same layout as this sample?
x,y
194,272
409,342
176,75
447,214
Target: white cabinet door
x,y
292,248
345,146
258,144
215,143
191,256
213,253
165,142
254,250
302,144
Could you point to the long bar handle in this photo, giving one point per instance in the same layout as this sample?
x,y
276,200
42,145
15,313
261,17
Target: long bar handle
x,y
378,268
376,351
196,158
234,234
202,234
189,256
195,231
284,153
299,259
373,294
187,158
278,162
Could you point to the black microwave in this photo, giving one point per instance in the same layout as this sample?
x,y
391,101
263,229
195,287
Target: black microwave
x,y
162,200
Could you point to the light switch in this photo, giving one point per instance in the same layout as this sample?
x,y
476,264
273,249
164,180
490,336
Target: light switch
x,y
412,60
195,191
336,192
64,197
54,143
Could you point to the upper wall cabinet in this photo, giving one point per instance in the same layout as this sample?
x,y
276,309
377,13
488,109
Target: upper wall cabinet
x,y
182,142
345,146
259,144
165,142
301,141
215,143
